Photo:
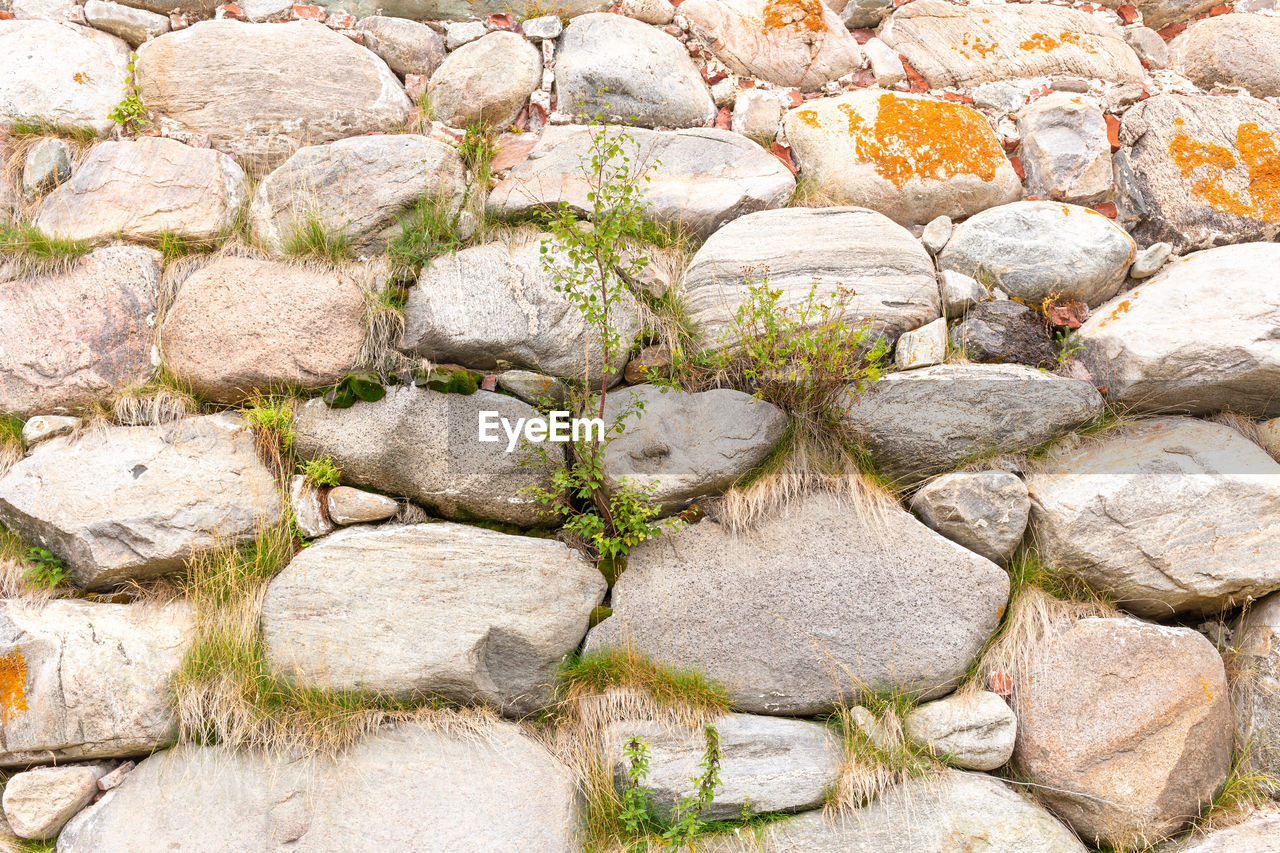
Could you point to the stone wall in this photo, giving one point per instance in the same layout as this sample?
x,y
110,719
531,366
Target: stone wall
x,y
264,265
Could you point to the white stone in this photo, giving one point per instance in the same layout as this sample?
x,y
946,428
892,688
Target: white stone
x,y
923,346
458,33
61,73
885,63
974,731
308,511
48,426
133,25
356,506
39,802
960,292
656,12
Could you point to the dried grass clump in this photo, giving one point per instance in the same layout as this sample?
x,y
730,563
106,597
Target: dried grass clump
x,y
877,753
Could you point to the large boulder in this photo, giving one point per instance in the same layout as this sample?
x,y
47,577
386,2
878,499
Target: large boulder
x,y
1257,684
698,179
1126,513
985,511
61,74
261,92
909,157
800,43
767,764
499,303
875,268
1199,171
487,80
949,812
238,325
407,47
126,503
1036,249
1232,50
142,189
630,72
477,616
928,421
356,187
963,46
1065,149
808,609
71,338
405,787
1180,343
81,680
1124,728
424,445
682,446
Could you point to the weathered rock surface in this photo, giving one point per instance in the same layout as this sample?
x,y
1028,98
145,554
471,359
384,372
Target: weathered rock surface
x,y
61,74
407,47
38,802
135,502
768,764
804,251
1126,513
143,188
356,187
1257,696
1256,834
800,43
356,506
630,72
966,45
985,511
47,164
240,324
497,791
67,340
1199,171
263,92
975,731
452,10
133,25
699,179
683,446
1065,149
1180,343
1233,50
43,427
806,609
928,421
487,80
494,303
922,347
908,157
1124,727
1003,332
953,811
478,616
308,508
424,445
1034,249
960,292
84,680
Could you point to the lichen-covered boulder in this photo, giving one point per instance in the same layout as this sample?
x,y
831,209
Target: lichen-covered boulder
x,y
909,157
61,74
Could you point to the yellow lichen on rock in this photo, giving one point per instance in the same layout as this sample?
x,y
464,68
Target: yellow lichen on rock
x,y
13,690
804,14
1207,165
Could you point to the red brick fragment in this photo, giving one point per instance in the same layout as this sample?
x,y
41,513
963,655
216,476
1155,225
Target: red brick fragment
x,y
1128,13
1017,168
783,153
1107,209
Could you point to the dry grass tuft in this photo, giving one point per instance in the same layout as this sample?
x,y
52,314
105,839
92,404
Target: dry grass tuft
x,y
11,446
810,193
877,754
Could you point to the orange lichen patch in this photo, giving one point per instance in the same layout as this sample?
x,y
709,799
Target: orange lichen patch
x,y
977,44
1120,309
13,689
805,14
922,138
1046,42
1207,164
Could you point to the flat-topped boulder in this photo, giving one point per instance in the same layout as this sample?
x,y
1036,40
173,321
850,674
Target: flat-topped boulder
x,y
140,189
80,680
909,157
61,74
124,503
699,178
262,92
951,45
75,337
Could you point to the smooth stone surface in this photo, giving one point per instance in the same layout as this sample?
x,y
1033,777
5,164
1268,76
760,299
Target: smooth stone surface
x,y
536,389
936,234
356,187
407,47
263,92
487,80
1126,513
804,611
698,179
37,803
424,445
1034,249
355,506
974,731
1150,260
144,188
69,339
631,73
1258,833
1004,332
922,347
1065,150
985,511
1180,342
133,25
814,251
959,292
909,157
46,165
43,64
82,680
479,616
126,503
240,324
680,446
925,422
1233,50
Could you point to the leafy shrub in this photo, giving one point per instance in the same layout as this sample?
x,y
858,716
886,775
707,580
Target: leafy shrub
x,y
47,570
321,472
